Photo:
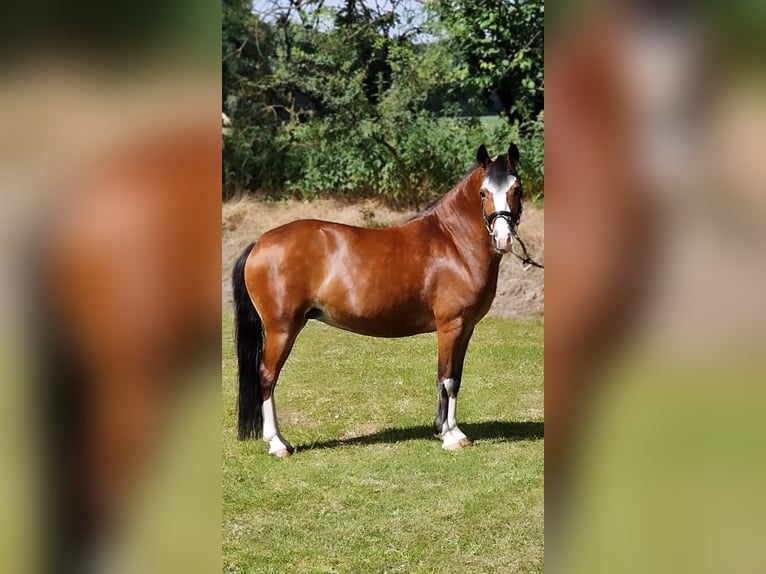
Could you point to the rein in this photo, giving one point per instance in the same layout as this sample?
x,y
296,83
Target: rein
x,y
525,259
513,224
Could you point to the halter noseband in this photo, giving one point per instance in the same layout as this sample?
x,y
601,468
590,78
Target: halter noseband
x,y
490,219
513,223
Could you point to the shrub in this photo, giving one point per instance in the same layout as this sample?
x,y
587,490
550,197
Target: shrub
x,y
413,167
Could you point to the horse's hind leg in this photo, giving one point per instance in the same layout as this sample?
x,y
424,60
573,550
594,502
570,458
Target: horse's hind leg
x,y
279,342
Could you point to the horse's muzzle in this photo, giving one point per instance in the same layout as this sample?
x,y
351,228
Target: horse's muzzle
x,y
502,242
502,235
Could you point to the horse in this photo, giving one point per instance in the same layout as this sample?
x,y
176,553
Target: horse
x,y
437,272
114,337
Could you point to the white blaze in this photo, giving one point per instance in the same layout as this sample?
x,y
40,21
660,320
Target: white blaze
x,y
501,230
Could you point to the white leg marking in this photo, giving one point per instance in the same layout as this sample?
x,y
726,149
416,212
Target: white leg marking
x,y
271,429
451,435
451,408
456,433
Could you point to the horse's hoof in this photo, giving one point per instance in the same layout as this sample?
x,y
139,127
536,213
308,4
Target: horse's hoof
x,y
464,442
454,447
284,453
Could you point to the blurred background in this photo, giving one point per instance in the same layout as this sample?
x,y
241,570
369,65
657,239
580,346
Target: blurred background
x,y
109,291
655,318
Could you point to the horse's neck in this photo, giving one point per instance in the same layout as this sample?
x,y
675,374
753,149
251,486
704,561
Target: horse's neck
x,y
459,216
460,207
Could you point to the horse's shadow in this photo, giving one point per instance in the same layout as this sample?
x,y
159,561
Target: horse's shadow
x,y
502,431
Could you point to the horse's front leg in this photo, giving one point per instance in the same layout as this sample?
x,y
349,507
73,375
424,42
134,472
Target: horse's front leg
x,y
453,341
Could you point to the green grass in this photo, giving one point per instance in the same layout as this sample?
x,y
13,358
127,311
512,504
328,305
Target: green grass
x,y
369,489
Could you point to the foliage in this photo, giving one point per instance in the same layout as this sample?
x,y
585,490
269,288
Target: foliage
x,y
351,100
532,169
249,144
501,49
369,489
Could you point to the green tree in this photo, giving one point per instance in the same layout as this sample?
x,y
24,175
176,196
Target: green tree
x,y
251,100
356,99
501,47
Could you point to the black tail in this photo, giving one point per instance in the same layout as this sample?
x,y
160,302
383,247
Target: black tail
x,y
64,400
249,335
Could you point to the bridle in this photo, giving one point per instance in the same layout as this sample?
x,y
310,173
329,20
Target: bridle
x,y
513,223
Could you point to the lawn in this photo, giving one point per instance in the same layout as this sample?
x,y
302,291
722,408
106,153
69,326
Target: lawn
x,y
369,489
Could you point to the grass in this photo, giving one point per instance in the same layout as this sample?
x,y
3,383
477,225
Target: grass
x,y
670,469
369,489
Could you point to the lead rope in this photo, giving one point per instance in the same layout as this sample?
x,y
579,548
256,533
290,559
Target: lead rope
x,y
525,259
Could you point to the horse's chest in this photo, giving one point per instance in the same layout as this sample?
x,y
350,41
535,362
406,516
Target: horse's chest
x,y
466,292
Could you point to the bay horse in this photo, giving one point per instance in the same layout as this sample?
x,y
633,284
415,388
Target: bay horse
x,y
437,272
116,340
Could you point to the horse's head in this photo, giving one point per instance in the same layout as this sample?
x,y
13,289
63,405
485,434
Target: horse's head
x,y
500,196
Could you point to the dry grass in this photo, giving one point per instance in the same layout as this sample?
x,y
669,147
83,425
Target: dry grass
x,y
519,293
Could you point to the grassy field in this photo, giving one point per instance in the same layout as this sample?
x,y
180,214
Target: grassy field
x,y
369,489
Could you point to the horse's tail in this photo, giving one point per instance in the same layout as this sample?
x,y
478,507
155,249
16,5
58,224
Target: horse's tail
x,y
249,335
63,398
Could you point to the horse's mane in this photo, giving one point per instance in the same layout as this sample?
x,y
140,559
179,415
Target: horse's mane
x,y
431,207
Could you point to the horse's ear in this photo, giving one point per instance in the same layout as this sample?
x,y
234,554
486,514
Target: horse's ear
x,y
482,156
513,154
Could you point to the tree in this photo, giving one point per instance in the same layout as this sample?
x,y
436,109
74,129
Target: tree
x,y
246,49
351,99
501,48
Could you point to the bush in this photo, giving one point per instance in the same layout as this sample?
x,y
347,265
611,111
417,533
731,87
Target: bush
x,y
422,163
344,103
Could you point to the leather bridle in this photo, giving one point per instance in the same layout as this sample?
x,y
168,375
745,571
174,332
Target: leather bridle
x,y
513,221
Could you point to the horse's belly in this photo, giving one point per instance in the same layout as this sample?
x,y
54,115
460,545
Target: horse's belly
x,y
397,321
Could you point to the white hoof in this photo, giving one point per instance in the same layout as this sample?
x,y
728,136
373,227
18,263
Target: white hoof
x,y
280,447
455,439
453,447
